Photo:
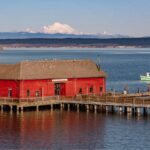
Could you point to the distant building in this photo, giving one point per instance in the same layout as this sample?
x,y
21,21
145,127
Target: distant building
x,y
51,77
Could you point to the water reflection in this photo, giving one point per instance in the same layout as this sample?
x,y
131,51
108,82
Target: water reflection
x,y
52,130
73,130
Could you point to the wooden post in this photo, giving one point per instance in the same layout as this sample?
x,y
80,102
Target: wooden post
x,y
37,108
61,106
11,108
87,108
120,109
17,109
51,106
95,108
106,108
68,107
78,107
138,111
21,109
129,110
2,108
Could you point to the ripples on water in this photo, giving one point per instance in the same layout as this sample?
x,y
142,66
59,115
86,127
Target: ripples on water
x,y
72,130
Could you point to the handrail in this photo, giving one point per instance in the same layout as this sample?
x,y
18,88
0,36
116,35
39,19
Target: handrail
x,y
117,99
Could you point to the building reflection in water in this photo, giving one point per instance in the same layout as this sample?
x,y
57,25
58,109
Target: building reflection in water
x,y
52,130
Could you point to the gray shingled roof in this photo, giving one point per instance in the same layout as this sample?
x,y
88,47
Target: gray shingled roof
x,y
50,69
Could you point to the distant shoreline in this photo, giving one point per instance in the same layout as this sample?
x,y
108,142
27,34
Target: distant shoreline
x,y
33,46
75,43
67,46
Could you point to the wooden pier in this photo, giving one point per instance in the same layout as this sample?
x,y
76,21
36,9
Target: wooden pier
x,y
123,103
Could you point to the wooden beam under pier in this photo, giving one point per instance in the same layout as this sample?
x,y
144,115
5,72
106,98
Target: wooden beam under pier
x,y
119,100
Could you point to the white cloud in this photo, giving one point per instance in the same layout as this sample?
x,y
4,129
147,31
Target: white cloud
x,y
59,28
29,30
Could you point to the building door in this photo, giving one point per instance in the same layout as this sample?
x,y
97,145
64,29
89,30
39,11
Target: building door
x,y
60,89
101,90
9,92
57,89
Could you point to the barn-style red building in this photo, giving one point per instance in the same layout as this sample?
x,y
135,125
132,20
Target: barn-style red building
x,y
51,77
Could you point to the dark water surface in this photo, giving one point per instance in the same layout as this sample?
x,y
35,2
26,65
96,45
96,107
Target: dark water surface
x,y
72,130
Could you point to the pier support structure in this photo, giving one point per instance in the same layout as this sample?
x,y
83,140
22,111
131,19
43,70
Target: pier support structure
x,y
120,109
129,110
61,106
78,107
107,108
68,107
2,108
51,107
11,108
21,109
87,108
138,111
37,108
95,108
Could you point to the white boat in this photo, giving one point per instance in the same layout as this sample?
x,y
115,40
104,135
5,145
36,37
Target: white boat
x,y
145,77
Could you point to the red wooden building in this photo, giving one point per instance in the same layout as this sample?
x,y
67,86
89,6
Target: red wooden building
x,y
51,77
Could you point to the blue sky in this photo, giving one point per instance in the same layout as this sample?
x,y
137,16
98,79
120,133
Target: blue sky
x,y
128,17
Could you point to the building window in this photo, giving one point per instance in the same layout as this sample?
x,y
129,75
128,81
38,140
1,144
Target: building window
x,y
101,89
28,93
80,91
57,88
37,93
9,92
91,89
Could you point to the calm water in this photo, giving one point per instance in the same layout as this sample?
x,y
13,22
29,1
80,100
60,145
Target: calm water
x,y
72,130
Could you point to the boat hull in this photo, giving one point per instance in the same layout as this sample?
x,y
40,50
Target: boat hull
x,y
145,78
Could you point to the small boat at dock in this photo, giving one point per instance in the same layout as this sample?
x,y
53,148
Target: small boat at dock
x,y
145,77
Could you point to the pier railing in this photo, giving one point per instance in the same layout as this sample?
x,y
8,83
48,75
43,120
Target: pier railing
x,y
122,99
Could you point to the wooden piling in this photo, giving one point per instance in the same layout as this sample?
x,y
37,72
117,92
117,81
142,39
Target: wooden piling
x,y
78,107
51,107
129,110
128,103
95,108
21,109
106,108
120,109
87,108
2,108
37,108
68,107
11,108
138,111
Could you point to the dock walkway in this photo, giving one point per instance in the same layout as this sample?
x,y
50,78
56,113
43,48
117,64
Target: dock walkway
x,y
124,103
